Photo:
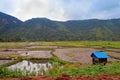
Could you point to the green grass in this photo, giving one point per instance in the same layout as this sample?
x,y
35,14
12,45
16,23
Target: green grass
x,y
93,70
5,73
58,61
10,45
104,44
73,69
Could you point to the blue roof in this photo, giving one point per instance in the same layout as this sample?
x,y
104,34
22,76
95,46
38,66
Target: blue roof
x,y
99,55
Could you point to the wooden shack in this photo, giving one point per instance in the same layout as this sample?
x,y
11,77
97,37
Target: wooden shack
x,y
99,57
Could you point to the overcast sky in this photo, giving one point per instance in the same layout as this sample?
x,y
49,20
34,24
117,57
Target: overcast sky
x,y
62,9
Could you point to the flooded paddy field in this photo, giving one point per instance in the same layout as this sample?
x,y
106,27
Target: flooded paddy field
x,y
68,51
37,54
81,55
26,53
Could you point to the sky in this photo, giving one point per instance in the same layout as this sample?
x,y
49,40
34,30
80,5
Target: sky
x,y
61,10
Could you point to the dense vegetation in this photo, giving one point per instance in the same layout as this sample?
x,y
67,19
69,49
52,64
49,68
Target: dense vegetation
x,y
42,29
76,69
92,70
63,67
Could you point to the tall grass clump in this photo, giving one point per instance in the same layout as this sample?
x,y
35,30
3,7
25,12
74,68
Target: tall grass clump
x,y
5,73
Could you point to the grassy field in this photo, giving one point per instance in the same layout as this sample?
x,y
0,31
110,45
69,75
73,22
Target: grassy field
x,y
103,44
10,45
7,48
63,67
76,69
91,70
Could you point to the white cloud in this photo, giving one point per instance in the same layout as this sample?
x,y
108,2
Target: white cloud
x,y
26,9
62,9
78,9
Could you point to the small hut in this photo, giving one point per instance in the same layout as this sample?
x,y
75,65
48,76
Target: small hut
x,y
99,57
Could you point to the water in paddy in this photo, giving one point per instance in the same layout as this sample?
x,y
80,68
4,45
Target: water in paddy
x,y
38,67
2,62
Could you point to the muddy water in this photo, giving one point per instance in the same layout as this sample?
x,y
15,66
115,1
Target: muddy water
x,y
2,62
28,66
37,54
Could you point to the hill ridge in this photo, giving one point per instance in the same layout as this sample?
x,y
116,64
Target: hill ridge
x,y
43,29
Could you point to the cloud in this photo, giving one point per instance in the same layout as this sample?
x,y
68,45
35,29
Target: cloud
x,y
78,9
62,9
39,8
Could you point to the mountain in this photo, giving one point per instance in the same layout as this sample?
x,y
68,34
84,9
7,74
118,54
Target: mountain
x,y
7,23
7,20
43,29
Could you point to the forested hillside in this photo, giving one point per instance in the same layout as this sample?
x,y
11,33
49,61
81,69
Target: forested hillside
x,y
43,29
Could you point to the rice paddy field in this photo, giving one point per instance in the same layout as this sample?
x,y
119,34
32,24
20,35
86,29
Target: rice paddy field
x,y
72,54
65,49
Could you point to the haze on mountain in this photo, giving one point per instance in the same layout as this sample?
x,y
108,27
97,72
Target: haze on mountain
x,y
43,29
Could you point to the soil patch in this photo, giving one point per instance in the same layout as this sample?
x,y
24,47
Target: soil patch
x,y
68,77
81,55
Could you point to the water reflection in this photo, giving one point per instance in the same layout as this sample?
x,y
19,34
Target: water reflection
x,y
28,66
